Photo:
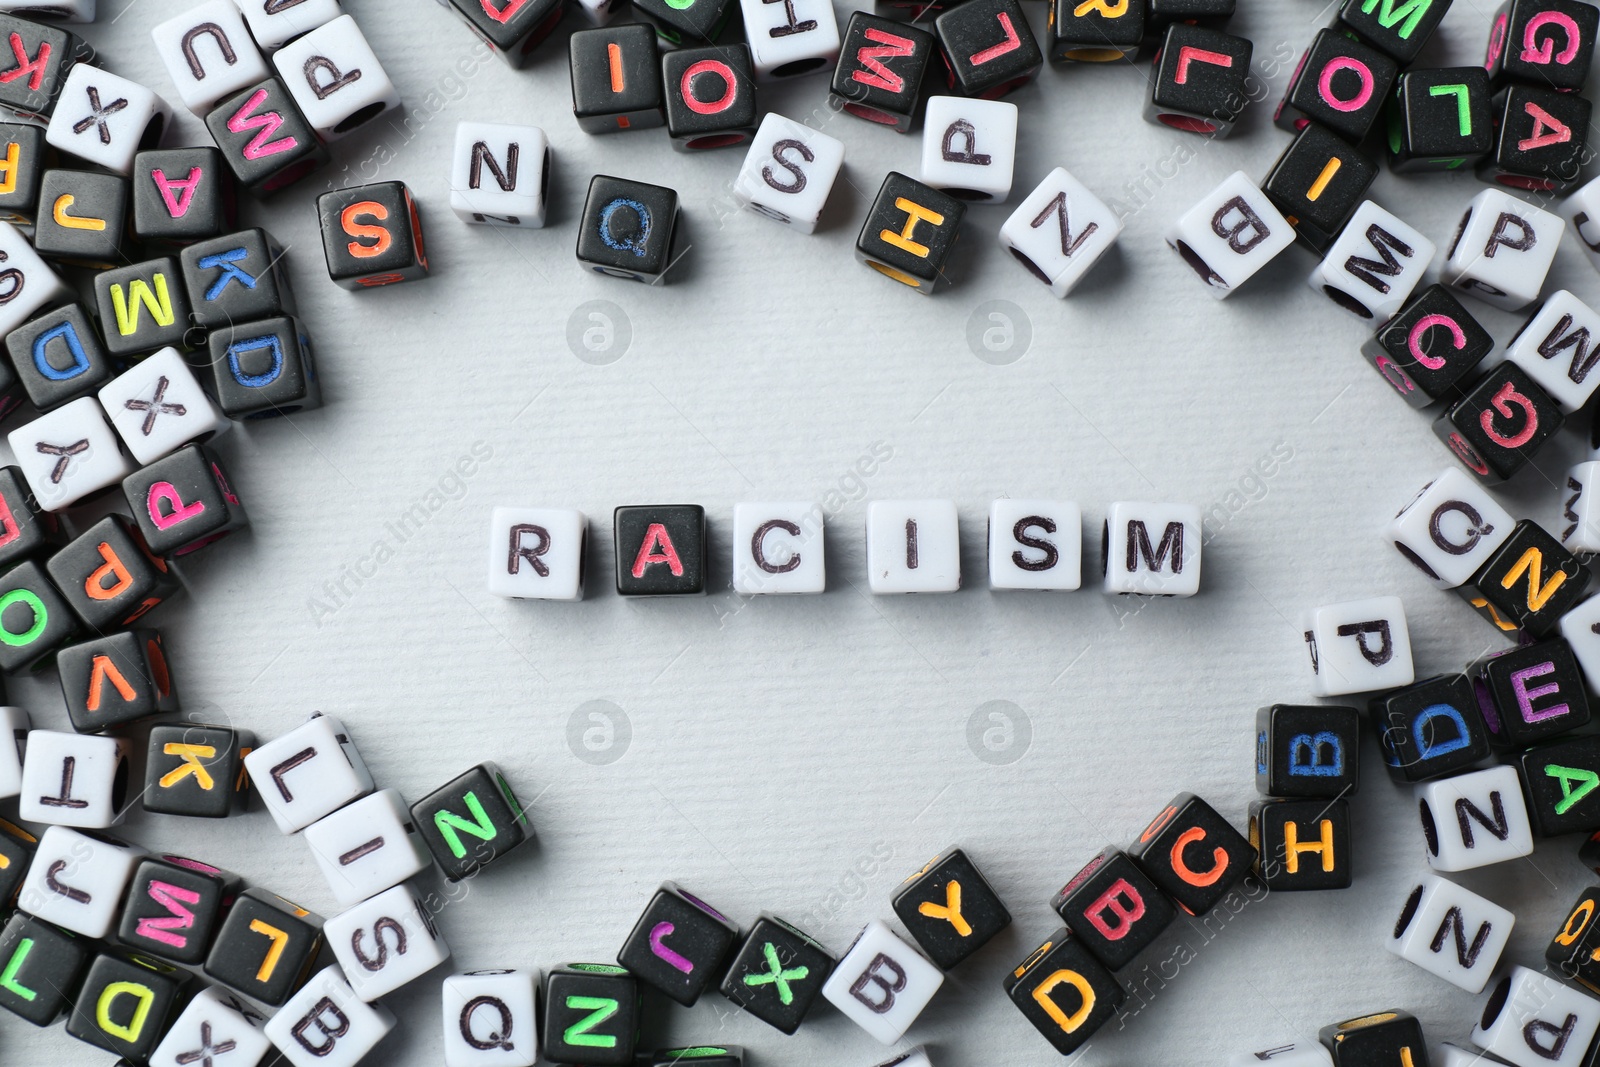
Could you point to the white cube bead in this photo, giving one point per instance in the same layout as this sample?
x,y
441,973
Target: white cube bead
x,y
1450,529
1473,820
790,37
789,172
597,12
1152,549
274,23
309,772
106,119
537,553
1451,932
882,984
1059,231
74,779
77,880
969,147
27,284
14,727
1035,544
1502,250
214,1019
913,546
777,548
491,1018
1580,508
1358,646
1305,1053
209,54
367,847
1580,628
336,79
385,942
1373,266
51,10
499,174
327,1025
1230,235
1540,1022
157,406
69,454
1581,211
1559,347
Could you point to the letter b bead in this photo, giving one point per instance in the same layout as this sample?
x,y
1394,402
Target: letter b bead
x,y
1230,235
882,984
1307,751
1113,909
327,1025
490,1019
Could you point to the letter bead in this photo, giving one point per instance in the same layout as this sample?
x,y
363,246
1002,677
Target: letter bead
x,y
172,907
616,79
1473,820
115,680
1358,647
1340,83
537,553
34,619
263,138
181,195
1571,951
83,218
950,908
969,147
1193,854
26,531
1502,250
40,59
1372,267
215,1023
790,39
1527,584
76,881
909,232
1200,83
1559,346
326,1025
1099,31
1429,347
1060,231
1580,510
309,772
39,969
660,550
1451,932
500,174
490,1018
1430,729
1113,909
184,502
108,575
197,770
265,947
385,943
778,973
274,24
74,780
1500,423
1317,184
1541,140
58,357
1582,211
1544,42
1440,119
1532,1020
22,159
208,53
27,285
1387,1037
1307,751
628,229
142,307
1560,780
126,1004
882,984
880,72
711,96
988,48
1035,544
1064,992
1151,549
157,406
471,821
778,548
367,847
263,369
335,79
236,278
512,29
1302,845
704,1055
913,546
372,236
591,1015
1212,14
1398,28
679,945
56,10
105,119
1230,235
1530,693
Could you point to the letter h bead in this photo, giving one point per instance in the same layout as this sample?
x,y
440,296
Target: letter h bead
x,y
1302,844
909,233
950,908
1113,909
679,945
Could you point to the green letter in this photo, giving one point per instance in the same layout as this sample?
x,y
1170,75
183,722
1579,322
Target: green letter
x,y
600,1009
451,826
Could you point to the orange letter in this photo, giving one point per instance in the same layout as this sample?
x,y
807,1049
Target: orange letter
x,y
113,568
350,221
1184,871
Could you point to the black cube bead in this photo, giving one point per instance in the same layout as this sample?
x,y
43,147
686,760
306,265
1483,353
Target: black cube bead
x,y
1189,834
36,68
125,1005
1541,139
196,769
512,31
1302,845
1317,184
679,944
1064,992
988,48
265,947
182,195
1573,951
58,357
1431,729
1500,423
1199,84
109,575
235,278
184,501
23,154
591,1015
1341,83
263,369
115,680
1531,693
1561,781
1388,1037
17,847
711,97
691,23
26,531
950,908
909,232
1429,347
661,549
142,307
778,973
41,966
264,139
471,821
34,618
627,229
1543,42
1212,14
1528,584
881,68
173,907
1440,120
1113,909
83,218
1398,30
1098,32
372,236
1308,750
616,79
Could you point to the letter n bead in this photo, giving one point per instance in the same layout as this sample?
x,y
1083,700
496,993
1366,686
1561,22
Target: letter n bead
x,y
950,908
1151,549
1385,1037
1059,231
679,944
500,174
471,821
882,984
1191,853
1064,992
1528,583
1452,932
591,1015
1474,820
537,553
1532,1020
490,1017
1113,908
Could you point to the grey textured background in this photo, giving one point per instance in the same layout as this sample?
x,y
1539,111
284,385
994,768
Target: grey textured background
x,y
802,755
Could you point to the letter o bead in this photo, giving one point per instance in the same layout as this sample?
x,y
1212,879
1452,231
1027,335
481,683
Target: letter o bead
x,y
537,553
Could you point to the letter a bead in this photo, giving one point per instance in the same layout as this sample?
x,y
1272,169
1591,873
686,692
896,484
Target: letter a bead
x,y
660,549
882,984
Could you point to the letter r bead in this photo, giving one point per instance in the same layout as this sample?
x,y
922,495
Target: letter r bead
x,y
537,553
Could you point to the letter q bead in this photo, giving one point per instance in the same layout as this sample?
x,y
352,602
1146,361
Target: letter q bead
x,y
537,553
